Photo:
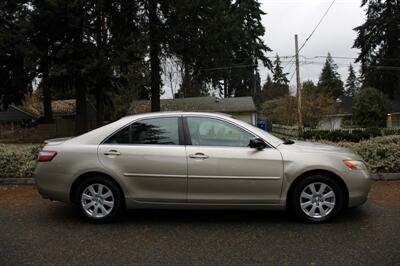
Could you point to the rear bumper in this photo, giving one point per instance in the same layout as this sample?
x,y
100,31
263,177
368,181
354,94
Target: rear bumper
x,y
358,183
52,185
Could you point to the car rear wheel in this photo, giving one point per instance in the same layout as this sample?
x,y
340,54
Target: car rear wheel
x,y
99,200
317,199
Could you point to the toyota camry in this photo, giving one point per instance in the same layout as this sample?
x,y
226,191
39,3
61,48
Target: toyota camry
x,y
198,160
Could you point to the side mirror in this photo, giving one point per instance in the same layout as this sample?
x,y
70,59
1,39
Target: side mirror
x,y
257,143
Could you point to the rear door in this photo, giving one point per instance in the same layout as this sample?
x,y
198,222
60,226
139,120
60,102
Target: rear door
x,y
150,157
223,169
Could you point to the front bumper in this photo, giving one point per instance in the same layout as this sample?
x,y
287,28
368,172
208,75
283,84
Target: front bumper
x,y
358,183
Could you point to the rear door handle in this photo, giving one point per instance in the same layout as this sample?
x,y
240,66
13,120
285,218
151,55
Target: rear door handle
x,y
198,155
112,152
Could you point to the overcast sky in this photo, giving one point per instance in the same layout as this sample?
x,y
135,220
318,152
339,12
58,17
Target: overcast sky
x,y
335,34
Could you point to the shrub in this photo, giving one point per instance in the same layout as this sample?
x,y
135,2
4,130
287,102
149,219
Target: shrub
x,y
342,135
389,131
18,160
382,154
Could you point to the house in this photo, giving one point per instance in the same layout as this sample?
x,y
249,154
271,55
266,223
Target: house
x,y
242,108
343,110
393,119
15,114
64,112
30,118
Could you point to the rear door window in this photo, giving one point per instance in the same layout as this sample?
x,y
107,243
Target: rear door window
x,y
160,131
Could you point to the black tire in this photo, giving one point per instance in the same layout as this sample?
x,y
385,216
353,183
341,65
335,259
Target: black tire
x,y
117,197
294,201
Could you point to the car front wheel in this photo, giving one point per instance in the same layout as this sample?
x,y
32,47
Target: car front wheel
x,y
99,200
317,199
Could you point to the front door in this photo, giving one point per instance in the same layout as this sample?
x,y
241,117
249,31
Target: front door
x,y
149,156
223,169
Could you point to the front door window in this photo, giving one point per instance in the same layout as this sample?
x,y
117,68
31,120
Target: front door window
x,y
213,132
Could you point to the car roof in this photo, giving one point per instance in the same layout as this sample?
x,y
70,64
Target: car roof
x,y
166,113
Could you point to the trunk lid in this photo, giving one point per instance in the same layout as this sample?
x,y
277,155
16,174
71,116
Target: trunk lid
x,y
56,141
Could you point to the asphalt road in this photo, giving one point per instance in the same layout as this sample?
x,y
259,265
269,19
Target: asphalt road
x,y
37,231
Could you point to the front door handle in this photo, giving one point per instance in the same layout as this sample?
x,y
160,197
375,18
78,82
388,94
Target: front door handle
x,y
198,155
112,152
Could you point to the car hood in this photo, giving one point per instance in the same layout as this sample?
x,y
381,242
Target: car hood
x,y
303,146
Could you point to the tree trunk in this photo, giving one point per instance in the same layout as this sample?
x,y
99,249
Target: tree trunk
x,y
101,32
226,89
81,124
48,112
99,106
81,121
154,56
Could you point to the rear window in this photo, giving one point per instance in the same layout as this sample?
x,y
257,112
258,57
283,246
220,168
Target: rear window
x,y
160,131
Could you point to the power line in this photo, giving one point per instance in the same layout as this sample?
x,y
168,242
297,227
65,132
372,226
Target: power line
x,y
379,67
320,21
227,67
292,57
348,57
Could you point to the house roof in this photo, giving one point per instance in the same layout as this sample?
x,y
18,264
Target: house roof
x,y
14,113
204,104
59,108
344,106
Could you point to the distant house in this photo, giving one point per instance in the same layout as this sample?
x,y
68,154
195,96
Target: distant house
x,y
31,118
15,114
393,119
64,112
62,109
242,108
343,109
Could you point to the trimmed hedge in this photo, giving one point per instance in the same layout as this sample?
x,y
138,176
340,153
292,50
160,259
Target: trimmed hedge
x,y
347,135
382,154
18,160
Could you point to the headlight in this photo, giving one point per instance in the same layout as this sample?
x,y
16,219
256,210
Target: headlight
x,y
355,165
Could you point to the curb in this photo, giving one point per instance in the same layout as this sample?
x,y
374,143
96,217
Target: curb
x,y
386,176
31,181
17,181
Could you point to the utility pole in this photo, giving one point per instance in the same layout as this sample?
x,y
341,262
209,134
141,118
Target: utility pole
x,y
299,117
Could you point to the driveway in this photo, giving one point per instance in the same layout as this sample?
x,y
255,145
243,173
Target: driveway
x,y
38,231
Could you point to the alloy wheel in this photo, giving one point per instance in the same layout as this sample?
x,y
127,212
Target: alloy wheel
x,y
97,200
317,200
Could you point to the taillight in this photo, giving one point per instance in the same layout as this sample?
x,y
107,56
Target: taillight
x,y
46,156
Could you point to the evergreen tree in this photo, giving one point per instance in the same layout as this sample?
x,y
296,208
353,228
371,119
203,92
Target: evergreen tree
x,y
218,43
370,108
378,39
309,87
278,76
249,47
16,63
329,82
47,35
351,82
272,90
109,51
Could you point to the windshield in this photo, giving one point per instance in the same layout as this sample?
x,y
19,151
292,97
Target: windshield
x,y
275,141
